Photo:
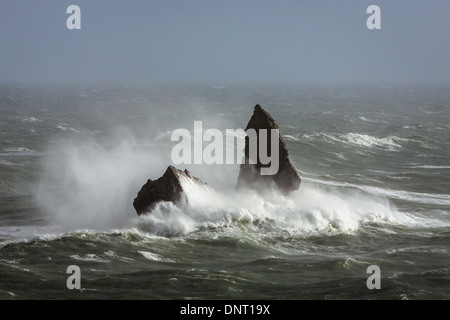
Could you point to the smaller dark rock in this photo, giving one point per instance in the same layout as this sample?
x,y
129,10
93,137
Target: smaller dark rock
x,y
167,188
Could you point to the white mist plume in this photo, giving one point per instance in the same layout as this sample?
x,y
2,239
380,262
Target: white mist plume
x,y
88,185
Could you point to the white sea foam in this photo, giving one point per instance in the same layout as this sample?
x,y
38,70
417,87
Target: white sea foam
x,y
31,120
9,234
289,137
391,143
8,164
19,150
104,257
7,293
430,167
65,127
312,208
154,256
87,185
89,257
364,119
419,197
340,156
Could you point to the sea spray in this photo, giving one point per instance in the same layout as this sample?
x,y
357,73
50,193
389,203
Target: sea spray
x,y
87,184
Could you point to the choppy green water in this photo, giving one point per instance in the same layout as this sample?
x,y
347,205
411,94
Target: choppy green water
x,y
375,164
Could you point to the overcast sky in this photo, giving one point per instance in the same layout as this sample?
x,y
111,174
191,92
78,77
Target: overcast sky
x,y
223,41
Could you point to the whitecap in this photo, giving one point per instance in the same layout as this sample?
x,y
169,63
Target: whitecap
x,y
21,150
430,167
91,257
31,119
7,293
420,197
154,256
311,209
64,127
350,263
8,164
364,119
358,139
289,137
391,143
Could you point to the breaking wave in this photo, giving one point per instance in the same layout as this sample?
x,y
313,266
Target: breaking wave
x,y
88,185
19,151
311,209
391,143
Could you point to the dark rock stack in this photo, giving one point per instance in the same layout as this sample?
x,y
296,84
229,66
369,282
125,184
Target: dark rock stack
x,y
166,188
287,178
169,187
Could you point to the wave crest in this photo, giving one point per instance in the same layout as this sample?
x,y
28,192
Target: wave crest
x,y
311,209
391,143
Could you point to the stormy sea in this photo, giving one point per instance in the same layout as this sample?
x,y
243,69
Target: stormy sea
x,y
374,162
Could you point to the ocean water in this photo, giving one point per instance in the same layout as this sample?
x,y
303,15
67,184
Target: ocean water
x,y
375,168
